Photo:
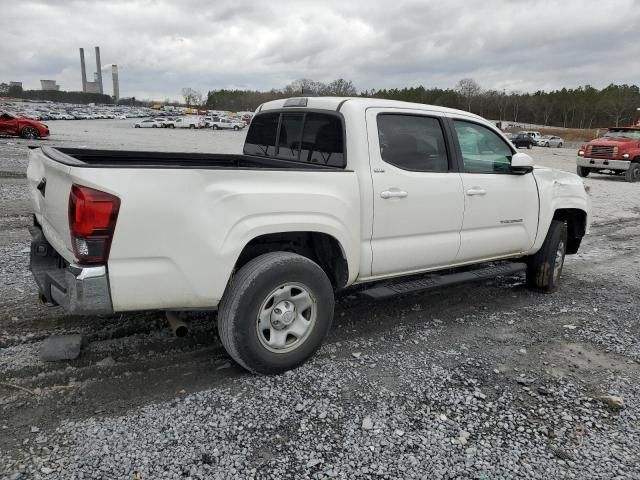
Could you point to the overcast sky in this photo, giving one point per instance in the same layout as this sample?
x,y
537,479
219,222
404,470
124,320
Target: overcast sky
x,y
162,46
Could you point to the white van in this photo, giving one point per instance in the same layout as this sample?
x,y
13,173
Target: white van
x,y
189,121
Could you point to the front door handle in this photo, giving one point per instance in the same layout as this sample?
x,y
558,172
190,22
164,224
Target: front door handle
x,y
476,191
393,194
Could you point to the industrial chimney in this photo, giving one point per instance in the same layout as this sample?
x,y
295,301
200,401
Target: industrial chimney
x,y
84,71
116,83
99,69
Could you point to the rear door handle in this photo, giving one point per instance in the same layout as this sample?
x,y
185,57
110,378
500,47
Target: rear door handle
x,y
393,194
476,191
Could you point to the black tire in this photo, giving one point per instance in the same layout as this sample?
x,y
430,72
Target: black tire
x,y
528,146
29,132
215,127
633,174
251,289
544,269
548,145
583,171
236,128
560,145
136,126
192,126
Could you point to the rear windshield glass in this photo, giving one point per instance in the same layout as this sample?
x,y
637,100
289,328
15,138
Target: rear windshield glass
x,y
298,136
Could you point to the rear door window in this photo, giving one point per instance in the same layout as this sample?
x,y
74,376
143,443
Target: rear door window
x,y
306,137
412,142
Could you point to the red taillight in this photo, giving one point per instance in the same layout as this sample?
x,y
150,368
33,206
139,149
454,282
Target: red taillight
x,y
92,221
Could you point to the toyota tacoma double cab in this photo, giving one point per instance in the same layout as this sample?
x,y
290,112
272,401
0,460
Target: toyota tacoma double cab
x,y
616,153
328,193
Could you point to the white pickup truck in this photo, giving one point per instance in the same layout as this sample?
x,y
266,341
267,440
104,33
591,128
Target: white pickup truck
x,y
328,193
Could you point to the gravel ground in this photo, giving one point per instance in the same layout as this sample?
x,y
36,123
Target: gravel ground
x,y
483,381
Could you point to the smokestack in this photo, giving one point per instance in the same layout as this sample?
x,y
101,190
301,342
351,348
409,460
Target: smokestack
x,y
99,69
116,83
84,71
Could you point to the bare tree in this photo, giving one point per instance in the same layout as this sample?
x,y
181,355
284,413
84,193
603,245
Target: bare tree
x,y
469,89
304,86
191,96
340,88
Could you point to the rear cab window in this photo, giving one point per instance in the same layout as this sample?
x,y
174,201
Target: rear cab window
x,y
305,137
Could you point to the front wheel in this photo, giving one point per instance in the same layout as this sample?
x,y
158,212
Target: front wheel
x,y
29,132
528,146
236,128
633,174
583,171
545,267
275,312
215,127
560,145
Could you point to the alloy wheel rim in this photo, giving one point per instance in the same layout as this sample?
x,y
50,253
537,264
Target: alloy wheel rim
x,y
286,318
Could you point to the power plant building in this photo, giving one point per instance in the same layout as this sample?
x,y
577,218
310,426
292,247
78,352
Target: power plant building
x,y
97,86
49,85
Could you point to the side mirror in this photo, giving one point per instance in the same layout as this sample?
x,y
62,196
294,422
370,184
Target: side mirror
x,y
521,163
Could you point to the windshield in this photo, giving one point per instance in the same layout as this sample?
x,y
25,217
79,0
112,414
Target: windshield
x,y
634,134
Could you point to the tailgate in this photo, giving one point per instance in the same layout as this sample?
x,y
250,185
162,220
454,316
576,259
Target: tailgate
x,y
49,184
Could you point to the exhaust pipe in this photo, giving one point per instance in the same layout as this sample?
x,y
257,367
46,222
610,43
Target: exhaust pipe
x,y
179,328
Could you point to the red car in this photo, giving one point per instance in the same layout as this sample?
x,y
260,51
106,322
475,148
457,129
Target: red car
x,y
22,126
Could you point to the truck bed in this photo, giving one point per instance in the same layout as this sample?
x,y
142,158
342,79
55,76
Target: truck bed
x,y
88,158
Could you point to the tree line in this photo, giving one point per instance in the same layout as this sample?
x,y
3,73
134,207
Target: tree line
x,y
581,107
15,91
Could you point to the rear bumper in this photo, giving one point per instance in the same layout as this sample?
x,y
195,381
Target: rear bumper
x,y
77,289
604,163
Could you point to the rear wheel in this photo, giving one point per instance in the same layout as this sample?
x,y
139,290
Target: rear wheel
x,y
276,312
545,267
29,132
633,174
192,126
583,171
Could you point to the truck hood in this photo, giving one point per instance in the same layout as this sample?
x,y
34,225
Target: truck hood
x,y
558,176
613,142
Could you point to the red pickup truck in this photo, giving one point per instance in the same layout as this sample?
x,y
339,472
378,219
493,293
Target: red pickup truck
x,y
617,153
14,125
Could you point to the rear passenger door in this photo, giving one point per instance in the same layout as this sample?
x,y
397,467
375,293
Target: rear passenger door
x,y
417,195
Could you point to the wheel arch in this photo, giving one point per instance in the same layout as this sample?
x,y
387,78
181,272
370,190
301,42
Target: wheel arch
x,y
320,247
576,221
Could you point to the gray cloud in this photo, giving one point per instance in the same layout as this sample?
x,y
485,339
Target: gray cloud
x,y
162,46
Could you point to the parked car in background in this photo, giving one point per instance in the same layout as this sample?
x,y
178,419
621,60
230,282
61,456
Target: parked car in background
x,y
166,122
523,140
148,123
510,135
24,127
226,124
533,134
190,121
550,141
616,153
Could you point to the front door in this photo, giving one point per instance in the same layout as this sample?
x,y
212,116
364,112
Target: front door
x,y
501,207
417,198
